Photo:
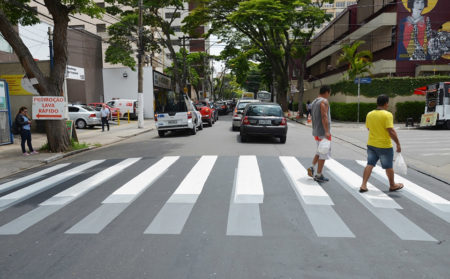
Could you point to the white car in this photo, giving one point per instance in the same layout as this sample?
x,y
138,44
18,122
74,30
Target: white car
x,y
175,112
237,113
84,116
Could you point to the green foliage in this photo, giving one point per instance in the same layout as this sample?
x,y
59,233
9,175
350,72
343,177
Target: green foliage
x,y
391,86
75,145
294,106
349,111
409,109
358,62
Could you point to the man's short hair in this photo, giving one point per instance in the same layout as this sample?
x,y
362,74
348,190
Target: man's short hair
x,y
324,89
411,3
382,100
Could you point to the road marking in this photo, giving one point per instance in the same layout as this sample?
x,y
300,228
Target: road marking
x,y
41,186
60,200
118,201
174,214
435,154
304,186
394,220
244,219
249,187
416,192
18,182
352,181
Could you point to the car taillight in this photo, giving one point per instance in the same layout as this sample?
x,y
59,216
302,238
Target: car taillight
x,y
283,122
92,115
207,110
245,120
189,115
223,107
235,113
156,117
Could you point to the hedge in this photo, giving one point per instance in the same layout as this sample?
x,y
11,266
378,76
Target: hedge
x,y
349,111
391,86
409,109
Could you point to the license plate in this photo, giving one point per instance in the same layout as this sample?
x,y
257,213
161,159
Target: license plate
x,y
172,122
265,122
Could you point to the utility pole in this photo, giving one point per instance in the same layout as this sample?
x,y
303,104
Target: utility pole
x,y
140,71
50,45
184,74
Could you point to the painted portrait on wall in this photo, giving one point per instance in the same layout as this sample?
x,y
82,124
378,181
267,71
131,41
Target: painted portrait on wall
x,y
417,40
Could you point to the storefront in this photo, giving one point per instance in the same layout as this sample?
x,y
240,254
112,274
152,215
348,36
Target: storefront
x,y
6,136
161,89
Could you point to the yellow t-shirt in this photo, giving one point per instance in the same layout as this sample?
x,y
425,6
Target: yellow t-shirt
x,y
377,121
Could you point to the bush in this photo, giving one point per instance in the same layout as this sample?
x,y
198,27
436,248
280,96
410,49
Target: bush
x,y
409,109
294,106
349,111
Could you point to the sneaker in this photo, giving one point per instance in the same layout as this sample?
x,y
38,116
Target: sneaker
x,y
320,178
311,172
34,152
26,154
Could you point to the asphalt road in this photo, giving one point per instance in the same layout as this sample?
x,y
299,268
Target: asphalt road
x,y
209,206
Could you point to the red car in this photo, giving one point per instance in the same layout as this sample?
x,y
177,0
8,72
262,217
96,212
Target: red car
x,y
115,112
207,111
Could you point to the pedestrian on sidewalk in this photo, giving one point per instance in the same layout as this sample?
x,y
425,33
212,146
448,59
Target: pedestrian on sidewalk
x,y
105,113
321,125
380,124
23,122
308,109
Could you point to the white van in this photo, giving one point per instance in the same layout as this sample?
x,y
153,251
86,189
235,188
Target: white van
x,y
175,112
125,106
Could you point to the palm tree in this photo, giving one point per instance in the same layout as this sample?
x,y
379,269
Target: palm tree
x,y
359,63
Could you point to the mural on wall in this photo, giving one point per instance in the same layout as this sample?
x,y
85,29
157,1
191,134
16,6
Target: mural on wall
x,y
417,40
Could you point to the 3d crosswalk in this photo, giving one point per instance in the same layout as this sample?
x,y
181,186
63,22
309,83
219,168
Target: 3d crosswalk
x,y
247,189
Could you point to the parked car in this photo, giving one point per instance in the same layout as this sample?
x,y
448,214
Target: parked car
x,y
174,112
237,113
199,117
263,119
115,112
206,110
222,107
84,116
126,106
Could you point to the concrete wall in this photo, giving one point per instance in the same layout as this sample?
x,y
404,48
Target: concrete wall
x,y
117,86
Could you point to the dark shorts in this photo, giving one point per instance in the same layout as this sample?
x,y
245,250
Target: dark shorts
x,y
385,155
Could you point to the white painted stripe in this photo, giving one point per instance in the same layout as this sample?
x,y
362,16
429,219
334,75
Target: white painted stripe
x,y
309,190
132,189
17,182
175,213
394,220
87,185
435,154
36,188
249,187
413,189
192,185
353,181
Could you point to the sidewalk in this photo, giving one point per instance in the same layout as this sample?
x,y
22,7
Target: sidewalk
x,y
12,161
340,131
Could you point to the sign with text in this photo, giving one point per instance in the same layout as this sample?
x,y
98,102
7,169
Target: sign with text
x,y
48,108
160,80
363,80
73,72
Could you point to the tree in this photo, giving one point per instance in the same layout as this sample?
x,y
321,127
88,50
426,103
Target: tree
x,y
13,12
268,24
359,63
124,34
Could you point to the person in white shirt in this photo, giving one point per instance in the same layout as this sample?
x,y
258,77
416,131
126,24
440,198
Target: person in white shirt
x,y
105,117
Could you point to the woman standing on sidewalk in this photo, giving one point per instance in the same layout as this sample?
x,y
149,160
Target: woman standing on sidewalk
x,y
23,121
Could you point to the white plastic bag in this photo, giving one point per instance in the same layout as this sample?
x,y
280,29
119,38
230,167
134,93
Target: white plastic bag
x,y
324,146
400,165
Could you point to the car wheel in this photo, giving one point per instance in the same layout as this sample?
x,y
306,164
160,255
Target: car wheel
x,y
210,122
283,139
201,126
81,124
234,128
244,138
161,133
447,124
194,130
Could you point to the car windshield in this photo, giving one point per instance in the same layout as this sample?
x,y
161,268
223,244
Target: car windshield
x,y
242,105
88,108
166,102
264,110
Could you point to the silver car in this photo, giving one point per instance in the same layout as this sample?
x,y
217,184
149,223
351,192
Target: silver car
x,y
237,113
84,116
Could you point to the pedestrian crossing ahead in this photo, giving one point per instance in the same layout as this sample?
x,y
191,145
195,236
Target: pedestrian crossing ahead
x,y
246,194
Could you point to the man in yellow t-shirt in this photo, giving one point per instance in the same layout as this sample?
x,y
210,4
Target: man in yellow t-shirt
x,y
380,124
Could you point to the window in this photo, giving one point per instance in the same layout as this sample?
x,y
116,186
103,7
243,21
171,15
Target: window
x,y
172,15
4,46
328,5
73,109
340,4
80,27
175,42
101,5
176,28
101,28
